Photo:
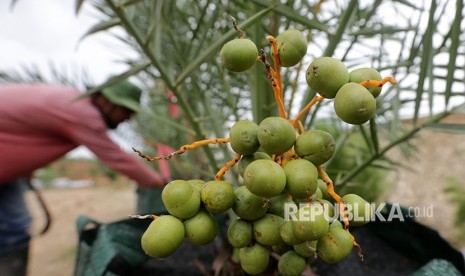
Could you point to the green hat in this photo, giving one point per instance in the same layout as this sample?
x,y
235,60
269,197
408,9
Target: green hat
x,y
125,94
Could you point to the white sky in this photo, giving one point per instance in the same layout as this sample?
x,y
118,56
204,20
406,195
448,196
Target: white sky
x,y
39,32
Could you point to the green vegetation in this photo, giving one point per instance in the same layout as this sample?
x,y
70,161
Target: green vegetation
x,y
192,95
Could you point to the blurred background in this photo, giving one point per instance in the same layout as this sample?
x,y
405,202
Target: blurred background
x,y
411,153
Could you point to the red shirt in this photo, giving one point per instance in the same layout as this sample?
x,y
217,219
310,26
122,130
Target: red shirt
x,y
39,124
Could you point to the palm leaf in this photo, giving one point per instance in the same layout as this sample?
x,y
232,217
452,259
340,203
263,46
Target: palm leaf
x,y
78,6
129,3
386,30
453,49
102,26
448,128
426,63
210,51
293,15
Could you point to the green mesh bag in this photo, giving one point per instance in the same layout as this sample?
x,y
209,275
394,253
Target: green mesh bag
x,y
109,248
437,267
149,201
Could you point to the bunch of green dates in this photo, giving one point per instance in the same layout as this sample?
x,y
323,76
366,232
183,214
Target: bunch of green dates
x,y
329,77
240,54
191,205
279,207
282,206
353,103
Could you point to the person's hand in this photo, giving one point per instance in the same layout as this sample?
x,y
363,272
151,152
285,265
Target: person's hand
x,y
159,183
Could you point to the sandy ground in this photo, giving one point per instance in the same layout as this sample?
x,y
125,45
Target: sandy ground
x,y
440,157
53,254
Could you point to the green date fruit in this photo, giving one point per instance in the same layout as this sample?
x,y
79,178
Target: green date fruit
x,y
316,146
266,230
359,209
254,259
239,233
217,196
326,75
311,223
196,184
181,199
163,236
318,194
281,204
243,136
247,205
291,264
292,47
264,178
364,74
354,104
247,159
239,54
276,135
335,246
306,249
301,178
336,223
201,228
235,255
323,187
287,233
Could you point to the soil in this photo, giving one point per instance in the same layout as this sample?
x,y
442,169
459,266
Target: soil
x,y
439,159
53,254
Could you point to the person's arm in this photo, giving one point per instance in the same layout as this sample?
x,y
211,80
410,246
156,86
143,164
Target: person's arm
x,y
97,140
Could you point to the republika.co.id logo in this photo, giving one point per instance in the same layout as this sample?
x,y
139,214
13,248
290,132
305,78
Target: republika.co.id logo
x,y
355,212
